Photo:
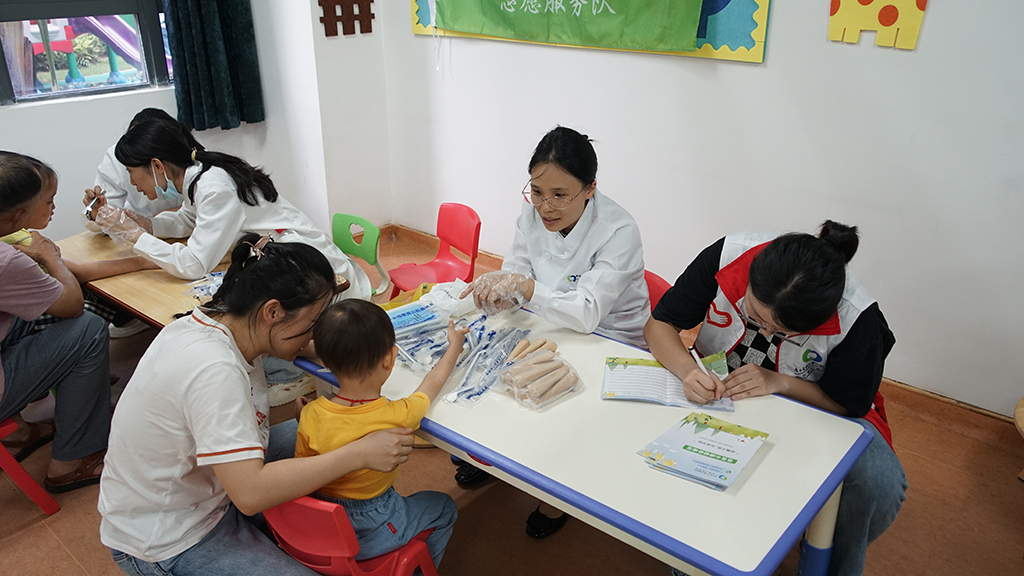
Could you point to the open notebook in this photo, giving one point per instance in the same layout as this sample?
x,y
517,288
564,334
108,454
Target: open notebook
x,y
649,381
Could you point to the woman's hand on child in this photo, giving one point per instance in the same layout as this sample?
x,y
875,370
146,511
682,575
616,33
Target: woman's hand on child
x,y
496,291
456,336
384,450
299,404
40,248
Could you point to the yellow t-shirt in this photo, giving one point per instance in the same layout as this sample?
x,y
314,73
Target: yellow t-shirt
x,y
326,426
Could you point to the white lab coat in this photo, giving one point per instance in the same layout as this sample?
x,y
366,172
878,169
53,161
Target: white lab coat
x,y
113,177
218,217
591,280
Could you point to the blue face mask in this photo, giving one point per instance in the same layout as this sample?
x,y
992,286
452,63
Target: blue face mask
x,y
169,193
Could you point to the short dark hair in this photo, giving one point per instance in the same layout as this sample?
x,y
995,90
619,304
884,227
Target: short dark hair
x,y
19,181
801,278
353,336
569,150
47,174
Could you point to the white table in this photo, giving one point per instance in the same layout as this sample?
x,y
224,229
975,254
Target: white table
x,y
579,455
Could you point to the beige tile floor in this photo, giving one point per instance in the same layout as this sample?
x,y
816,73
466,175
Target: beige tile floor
x,y
964,513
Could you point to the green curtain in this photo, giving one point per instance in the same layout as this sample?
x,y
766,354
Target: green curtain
x,y
658,25
216,72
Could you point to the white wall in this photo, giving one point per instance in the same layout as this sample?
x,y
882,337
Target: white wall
x,y
923,150
354,115
72,134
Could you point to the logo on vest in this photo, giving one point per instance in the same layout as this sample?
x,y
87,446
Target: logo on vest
x,y
811,356
718,318
573,277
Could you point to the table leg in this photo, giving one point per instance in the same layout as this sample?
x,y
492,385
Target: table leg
x,y
816,548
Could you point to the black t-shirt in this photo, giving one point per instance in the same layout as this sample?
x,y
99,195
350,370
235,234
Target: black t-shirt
x,y
853,369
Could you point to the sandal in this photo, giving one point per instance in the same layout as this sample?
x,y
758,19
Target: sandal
x,y
540,526
85,475
39,434
469,476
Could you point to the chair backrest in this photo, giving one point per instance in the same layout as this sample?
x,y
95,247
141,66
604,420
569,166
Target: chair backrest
x,y
313,531
458,225
656,287
341,230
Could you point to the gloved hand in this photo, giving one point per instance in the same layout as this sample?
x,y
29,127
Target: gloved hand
x,y
117,224
496,291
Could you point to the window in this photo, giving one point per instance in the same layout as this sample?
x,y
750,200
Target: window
x,y
56,48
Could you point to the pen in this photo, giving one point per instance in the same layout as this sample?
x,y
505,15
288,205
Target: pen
x,y
693,352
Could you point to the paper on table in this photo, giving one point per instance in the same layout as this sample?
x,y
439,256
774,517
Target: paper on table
x,y
649,381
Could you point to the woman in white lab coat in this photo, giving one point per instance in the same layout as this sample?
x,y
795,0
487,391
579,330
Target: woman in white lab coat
x,y
113,180
223,197
577,260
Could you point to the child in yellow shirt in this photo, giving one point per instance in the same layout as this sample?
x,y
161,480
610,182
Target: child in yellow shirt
x,y
356,341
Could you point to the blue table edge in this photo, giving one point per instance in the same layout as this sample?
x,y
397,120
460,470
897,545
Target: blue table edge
x,y
630,526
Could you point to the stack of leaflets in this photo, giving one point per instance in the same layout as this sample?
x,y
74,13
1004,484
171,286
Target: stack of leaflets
x,y
704,449
649,381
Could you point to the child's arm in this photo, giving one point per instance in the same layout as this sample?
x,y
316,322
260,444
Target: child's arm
x,y
89,271
436,378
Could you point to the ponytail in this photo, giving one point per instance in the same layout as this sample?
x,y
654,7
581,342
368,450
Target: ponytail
x,y
173,143
801,278
297,275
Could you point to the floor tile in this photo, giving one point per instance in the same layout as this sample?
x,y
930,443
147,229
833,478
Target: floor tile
x,y
34,550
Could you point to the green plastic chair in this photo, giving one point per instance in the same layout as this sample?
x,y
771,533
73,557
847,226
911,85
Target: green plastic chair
x,y
341,230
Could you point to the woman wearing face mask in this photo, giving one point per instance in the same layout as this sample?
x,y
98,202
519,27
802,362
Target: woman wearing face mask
x,y
577,258
223,197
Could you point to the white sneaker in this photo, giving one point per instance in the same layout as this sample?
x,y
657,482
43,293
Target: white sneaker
x,y
133,327
287,391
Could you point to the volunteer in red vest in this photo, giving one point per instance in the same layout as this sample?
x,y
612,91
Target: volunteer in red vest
x,y
792,320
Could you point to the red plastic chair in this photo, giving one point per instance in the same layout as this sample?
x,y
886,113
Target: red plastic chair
x,y
319,535
458,226
656,287
20,476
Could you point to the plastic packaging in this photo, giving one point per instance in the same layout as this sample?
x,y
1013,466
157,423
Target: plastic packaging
x,y
446,296
486,357
206,286
500,290
540,378
421,333
117,224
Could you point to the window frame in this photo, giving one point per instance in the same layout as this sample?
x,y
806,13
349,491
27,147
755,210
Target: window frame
x,y
147,15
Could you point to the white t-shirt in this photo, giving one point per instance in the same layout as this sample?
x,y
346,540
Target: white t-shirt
x,y
218,217
591,280
193,401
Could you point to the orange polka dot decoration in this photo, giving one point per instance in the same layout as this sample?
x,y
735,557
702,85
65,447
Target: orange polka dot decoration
x,y
896,23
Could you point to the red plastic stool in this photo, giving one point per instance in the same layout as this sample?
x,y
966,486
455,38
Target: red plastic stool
x,y
20,476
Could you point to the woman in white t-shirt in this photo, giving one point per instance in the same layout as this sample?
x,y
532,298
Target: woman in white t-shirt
x,y
191,450
224,196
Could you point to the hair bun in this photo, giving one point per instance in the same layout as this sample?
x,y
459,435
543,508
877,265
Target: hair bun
x,y
840,236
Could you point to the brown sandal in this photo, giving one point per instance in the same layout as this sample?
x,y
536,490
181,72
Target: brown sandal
x,y
39,434
85,475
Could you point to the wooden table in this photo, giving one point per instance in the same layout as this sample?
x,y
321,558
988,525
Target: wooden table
x,y
153,296
579,455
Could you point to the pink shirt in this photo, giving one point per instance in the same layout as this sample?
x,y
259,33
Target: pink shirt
x,y
25,291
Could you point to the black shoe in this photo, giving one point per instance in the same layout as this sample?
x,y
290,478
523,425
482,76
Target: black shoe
x,y
540,526
469,476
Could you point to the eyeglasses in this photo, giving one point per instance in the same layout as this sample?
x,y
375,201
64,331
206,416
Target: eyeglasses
x,y
556,202
796,339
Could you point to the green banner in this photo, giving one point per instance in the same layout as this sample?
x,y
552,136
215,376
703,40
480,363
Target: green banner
x,y
657,25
